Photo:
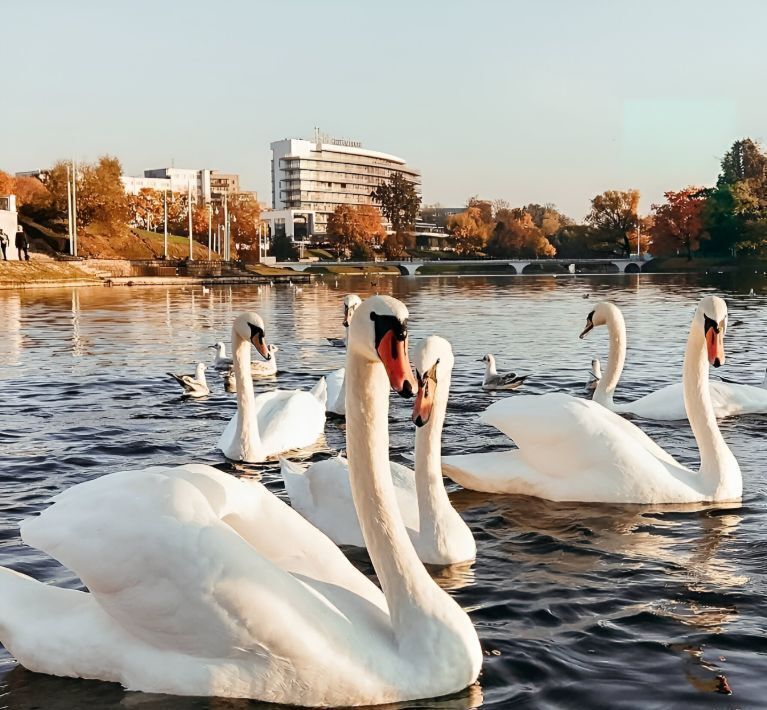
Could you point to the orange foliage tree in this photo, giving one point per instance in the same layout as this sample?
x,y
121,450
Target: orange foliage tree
x,y
353,230
678,223
516,234
469,230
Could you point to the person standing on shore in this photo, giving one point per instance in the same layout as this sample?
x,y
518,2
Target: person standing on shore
x,y
4,241
21,243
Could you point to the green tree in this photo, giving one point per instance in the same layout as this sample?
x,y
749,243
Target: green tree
x,y
399,201
613,218
283,249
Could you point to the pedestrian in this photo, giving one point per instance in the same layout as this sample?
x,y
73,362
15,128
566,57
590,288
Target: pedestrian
x,y
4,244
22,245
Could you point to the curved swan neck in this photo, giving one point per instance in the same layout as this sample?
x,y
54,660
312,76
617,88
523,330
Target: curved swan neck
x,y
616,358
406,584
247,423
717,464
433,502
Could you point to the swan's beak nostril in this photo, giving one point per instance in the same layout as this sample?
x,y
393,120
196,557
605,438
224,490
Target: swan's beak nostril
x,y
407,389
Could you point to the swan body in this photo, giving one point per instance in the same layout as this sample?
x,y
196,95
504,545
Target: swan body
x,y
494,381
273,422
322,492
194,385
577,450
666,404
220,360
201,584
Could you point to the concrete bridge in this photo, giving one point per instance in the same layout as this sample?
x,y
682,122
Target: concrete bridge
x,y
515,266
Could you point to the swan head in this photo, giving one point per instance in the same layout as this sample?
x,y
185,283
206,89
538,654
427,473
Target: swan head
x,y
711,318
250,326
351,303
433,360
603,312
378,333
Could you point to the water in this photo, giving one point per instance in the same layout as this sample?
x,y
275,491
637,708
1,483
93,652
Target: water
x,y
576,605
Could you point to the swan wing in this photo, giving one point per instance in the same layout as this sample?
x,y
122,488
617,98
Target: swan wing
x,y
335,381
289,419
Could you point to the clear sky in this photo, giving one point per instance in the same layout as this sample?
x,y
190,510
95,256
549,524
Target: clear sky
x,y
536,101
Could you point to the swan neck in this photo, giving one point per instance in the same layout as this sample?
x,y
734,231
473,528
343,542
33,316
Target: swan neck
x,y
718,466
247,424
616,358
404,580
434,505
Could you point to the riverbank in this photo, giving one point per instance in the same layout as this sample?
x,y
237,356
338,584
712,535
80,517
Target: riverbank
x,y
703,265
47,273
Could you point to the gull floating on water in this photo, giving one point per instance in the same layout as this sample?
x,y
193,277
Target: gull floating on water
x,y
194,385
221,361
494,381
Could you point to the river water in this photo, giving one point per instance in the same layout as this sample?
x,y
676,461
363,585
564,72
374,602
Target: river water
x,y
576,605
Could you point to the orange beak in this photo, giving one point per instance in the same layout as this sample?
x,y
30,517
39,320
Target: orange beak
x,y
260,345
715,347
393,354
424,402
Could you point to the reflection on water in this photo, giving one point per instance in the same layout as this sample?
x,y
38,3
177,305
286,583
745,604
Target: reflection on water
x,y
576,605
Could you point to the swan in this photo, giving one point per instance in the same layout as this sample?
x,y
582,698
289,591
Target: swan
x,y
493,381
265,368
202,584
572,449
194,385
761,385
274,421
220,360
667,403
322,492
336,391
595,374
351,302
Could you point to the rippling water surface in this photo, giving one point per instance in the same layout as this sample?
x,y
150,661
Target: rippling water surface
x,y
576,605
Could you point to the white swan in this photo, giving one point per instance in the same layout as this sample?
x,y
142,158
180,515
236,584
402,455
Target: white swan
x,y
273,422
577,450
351,302
336,390
667,403
194,385
322,492
205,585
493,381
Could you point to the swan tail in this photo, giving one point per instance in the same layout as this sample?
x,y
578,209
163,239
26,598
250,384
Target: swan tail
x,y
320,391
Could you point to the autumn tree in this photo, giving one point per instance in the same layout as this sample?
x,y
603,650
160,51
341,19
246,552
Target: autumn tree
x,y
353,229
399,202
547,217
678,224
517,235
613,217
469,230
101,197
394,246
32,197
244,218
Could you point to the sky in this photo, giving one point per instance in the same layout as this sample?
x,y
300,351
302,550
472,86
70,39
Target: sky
x,y
549,101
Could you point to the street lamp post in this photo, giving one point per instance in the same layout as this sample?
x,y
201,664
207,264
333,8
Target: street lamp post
x,y
69,214
210,227
189,211
165,216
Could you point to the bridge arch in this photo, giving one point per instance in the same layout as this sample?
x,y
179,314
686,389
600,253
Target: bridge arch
x,y
632,268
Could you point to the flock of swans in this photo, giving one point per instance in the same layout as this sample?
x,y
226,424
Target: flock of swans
x,y
200,583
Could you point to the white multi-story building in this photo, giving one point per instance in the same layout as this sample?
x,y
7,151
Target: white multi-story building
x,y
311,178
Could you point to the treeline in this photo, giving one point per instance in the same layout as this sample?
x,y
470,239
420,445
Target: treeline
x,y
104,208
729,219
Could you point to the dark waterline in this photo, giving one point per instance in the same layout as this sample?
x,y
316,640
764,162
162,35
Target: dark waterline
x,y
576,605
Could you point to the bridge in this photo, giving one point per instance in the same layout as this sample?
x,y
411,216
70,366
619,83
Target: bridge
x,y
515,266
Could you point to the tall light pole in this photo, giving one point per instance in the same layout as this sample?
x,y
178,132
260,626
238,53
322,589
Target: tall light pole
x,y
226,229
210,227
165,215
69,213
74,207
189,211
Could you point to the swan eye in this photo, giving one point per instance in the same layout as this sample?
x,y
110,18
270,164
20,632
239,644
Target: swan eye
x,y
709,323
256,333
384,324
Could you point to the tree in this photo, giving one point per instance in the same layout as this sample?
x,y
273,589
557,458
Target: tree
x,y
517,235
244,218
399,202
547,218
470,232
32,197
678,222
744,161
394,246
484,209
146,209
283,249
353,228
101,195
613,217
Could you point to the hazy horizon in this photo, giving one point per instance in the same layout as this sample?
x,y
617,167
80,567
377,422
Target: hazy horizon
x,y
552,102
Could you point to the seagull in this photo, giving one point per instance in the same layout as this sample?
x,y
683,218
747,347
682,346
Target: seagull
x,y
494,381
194,385
265,368
221,361
205,290
595,374
586,295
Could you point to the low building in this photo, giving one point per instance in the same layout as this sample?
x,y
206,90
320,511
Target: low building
x,y
299,225
9,223
317,176
206,185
